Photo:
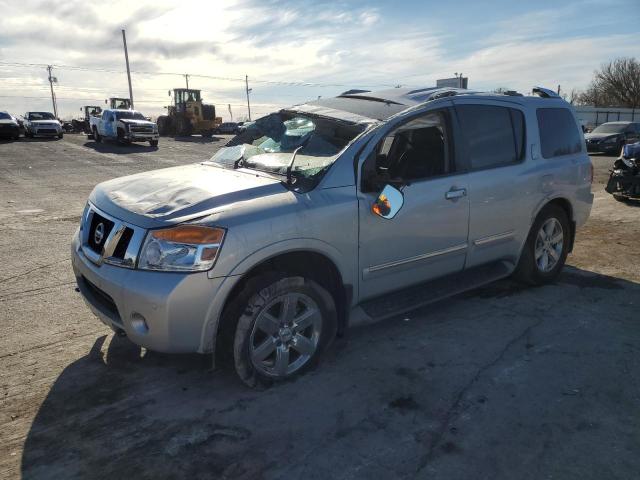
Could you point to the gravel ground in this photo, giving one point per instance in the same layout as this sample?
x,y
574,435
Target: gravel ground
x,y
502,382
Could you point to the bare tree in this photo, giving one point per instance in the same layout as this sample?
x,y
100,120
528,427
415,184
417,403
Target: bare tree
x,y
616,84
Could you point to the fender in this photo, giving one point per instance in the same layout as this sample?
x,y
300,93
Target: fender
x,y
220,297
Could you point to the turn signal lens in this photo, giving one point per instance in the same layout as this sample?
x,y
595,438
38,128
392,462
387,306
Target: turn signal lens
x,y
181,248
194,234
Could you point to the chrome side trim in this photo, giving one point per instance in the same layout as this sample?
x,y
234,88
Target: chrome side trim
x,y
417,258
480,242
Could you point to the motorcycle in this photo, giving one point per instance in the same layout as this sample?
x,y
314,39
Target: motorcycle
x,y
624,180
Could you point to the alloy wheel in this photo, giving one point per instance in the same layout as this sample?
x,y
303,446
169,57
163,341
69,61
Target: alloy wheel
x,y
285,335
548,246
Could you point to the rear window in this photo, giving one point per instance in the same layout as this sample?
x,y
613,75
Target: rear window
x,y
558,132
495,135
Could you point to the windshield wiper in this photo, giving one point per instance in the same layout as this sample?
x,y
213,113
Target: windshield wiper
x,y
290,167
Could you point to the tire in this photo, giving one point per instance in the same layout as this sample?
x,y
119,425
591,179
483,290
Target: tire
x,y
164,125
121,139
60,136
620,198
531,268
16,137
254,311
96,135
183,127
153,143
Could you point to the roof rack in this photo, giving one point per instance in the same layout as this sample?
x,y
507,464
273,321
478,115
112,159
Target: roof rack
x,y
544,92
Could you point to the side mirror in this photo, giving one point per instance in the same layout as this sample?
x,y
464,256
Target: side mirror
x,y
388,203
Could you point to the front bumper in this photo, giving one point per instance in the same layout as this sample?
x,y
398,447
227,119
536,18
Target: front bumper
x,y
9,132
180,311
141,136
602,148
47,131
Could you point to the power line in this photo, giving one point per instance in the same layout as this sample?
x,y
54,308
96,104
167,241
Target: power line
x,y
198,75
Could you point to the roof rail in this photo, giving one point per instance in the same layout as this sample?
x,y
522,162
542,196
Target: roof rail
x,y
544,92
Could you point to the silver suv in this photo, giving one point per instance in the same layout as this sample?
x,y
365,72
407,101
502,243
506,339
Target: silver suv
x,y
338,211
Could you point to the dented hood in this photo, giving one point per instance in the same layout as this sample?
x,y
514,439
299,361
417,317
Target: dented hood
x,y
178,194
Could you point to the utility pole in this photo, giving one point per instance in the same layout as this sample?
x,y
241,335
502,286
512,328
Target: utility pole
x,y
53,80
186,77
246,81
126,58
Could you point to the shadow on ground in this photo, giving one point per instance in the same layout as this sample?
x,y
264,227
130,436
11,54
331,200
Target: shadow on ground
x,y
200,139
503,382
108,146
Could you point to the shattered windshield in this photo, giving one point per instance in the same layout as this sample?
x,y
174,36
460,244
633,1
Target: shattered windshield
x,y
610,128
268,144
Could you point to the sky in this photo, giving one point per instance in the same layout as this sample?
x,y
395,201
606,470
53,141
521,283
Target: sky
x,y
295,51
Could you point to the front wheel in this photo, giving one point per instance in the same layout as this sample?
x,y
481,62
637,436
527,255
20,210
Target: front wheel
x,y
546,248
153,143
60,136
283,323
96,135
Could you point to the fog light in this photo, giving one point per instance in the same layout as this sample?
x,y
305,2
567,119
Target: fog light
x,y
139,323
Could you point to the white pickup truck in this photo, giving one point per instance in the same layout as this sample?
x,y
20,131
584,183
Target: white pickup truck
x,y
125,126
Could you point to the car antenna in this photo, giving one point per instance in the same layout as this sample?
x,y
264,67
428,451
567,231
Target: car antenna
x,y
291,162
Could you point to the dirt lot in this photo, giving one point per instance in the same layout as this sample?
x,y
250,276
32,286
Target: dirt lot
x,y
502,382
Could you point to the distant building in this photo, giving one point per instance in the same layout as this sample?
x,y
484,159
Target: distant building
x,y
455,82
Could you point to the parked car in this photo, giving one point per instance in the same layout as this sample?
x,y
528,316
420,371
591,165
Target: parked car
x,y
624,180
228,128
610,137
328,214
125,126
42,124
9,127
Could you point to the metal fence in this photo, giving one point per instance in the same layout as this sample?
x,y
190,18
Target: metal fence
x,y
591,117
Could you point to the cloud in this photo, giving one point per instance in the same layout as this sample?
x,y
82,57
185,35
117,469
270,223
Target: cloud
x,y
342,44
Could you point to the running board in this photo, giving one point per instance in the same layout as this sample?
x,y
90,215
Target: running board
x,y
417,296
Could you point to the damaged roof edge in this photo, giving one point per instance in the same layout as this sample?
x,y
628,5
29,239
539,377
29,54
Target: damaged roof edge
x,y
324,111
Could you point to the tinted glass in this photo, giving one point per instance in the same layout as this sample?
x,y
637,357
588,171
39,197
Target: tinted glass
x,y
558,132
491,137
4,116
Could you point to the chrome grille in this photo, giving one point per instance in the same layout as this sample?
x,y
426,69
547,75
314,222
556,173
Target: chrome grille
x,y
109,240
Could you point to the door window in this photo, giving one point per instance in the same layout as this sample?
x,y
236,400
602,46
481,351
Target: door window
x,y
416,150
495,135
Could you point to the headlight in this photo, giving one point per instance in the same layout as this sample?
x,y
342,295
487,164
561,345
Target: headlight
x,y
186,248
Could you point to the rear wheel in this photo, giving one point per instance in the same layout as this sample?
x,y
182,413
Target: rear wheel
x,y
546,248
282,325
619,198
60,135
96,135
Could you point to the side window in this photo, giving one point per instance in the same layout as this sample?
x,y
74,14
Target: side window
x,y
558,132
495,135
416,150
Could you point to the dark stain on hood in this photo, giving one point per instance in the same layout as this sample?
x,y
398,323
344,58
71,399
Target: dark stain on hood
x,y
180,193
